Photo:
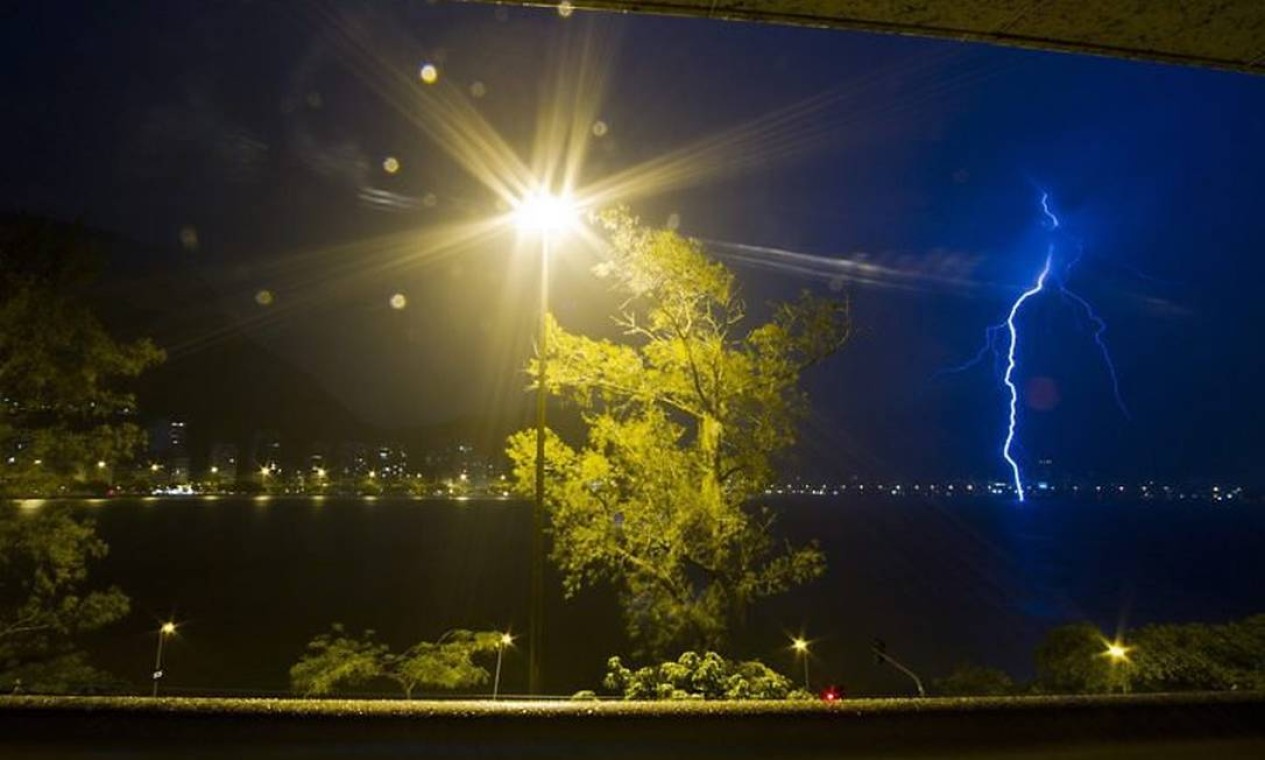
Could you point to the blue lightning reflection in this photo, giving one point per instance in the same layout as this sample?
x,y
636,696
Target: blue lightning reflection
x,y
1058,277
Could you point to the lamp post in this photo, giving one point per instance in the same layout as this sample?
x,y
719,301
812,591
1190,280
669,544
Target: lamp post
x,y
801,649
166,630
506,640
1118,654
879,648
542,213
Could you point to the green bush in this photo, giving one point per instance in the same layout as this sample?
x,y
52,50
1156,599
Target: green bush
x,y
705,676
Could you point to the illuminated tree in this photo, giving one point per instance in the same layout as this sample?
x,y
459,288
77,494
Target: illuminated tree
x,y
1073,659
64,417
683,421
446,664
45,600
335,661
700,676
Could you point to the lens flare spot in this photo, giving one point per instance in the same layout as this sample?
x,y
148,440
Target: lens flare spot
x,y
478,90
430,200
1042,394
565,9
429,74
600,128
391,165
398,301
674,221
189,237
264,297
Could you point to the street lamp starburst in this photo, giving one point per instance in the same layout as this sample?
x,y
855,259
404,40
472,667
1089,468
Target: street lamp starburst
x,y
800,646
166,629
1117,652
545,213
506,640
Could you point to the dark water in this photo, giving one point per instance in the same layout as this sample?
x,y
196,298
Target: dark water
x,y
941,582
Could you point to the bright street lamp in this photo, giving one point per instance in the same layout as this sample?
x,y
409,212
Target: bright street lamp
x,y
505,641
1118,654
167,629
545,214
801,650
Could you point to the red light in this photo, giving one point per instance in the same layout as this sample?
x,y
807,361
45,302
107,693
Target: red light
x,y
831,694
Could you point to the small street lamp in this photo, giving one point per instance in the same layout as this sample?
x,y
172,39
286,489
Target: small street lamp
x,y
1118,654
166,630
506,640
801,650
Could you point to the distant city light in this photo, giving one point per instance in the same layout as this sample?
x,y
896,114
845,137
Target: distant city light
x,y
169,628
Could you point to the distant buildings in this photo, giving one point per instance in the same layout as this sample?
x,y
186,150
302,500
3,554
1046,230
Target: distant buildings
x,y
169,463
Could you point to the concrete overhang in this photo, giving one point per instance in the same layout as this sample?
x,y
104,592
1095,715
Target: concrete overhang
x,y
1222,34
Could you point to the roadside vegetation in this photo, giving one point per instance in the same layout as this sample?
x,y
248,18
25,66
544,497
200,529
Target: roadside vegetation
x,y
336,662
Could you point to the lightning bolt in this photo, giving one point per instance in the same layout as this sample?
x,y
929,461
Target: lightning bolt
x,y
993,332
1007,379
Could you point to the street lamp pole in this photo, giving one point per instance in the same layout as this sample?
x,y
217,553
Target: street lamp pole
x,y
542,213
536,622
163,632
801,648
506,640
1118,654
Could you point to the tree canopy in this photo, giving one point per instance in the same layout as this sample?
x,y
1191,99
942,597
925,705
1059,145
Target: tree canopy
x,y
700,676
971,680
1199,656
446,664
684,419
336,661
63,409
45,599
1073,659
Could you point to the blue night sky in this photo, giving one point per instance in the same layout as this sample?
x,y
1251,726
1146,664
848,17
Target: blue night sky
x,y
923,160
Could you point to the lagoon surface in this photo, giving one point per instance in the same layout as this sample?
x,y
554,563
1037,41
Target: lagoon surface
x,y
251,581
